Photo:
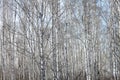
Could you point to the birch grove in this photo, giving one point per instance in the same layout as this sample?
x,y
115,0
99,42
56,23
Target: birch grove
x,y
59,40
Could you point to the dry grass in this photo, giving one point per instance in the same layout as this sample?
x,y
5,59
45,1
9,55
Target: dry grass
x,y
77,76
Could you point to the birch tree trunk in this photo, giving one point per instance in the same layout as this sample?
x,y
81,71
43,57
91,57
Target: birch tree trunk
x,y
54,29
